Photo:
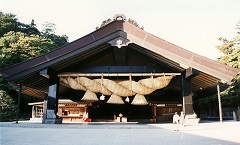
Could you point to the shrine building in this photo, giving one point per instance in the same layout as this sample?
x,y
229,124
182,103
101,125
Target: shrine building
x,y
118,68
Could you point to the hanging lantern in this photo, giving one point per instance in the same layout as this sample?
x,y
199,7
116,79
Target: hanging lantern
x,y
89,96
139,100
115,99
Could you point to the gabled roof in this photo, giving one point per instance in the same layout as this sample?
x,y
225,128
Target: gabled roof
x,y
140,46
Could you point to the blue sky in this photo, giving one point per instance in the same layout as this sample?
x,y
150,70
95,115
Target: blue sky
x,y
191,24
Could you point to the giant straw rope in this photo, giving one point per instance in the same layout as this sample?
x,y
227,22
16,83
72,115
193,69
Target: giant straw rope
x,y
122,88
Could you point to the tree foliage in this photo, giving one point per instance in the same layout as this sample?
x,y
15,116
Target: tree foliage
x,y
17,47
7,107
231,96
20,42
9,22
49,33
231,49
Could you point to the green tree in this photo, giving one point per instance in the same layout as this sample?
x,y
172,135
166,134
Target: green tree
x,y
9,22
49,33
49,28
7,107
17,47
231,96
231,50
19,42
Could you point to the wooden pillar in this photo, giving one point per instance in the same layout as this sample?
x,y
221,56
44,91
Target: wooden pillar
x,y
19,99
187,95
51,105
219,104
154,111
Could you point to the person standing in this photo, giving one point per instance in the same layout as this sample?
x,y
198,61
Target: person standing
x,y
176,120
182,118
114,117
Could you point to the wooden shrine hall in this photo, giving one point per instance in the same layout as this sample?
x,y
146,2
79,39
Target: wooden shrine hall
x,y
120,68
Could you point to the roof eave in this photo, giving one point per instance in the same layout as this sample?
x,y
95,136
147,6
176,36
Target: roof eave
x,y
178,54
100,36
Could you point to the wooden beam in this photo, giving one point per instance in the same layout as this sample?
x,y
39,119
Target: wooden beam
x,y
74,74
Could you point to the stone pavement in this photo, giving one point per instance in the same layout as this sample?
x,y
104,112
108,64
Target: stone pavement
x,y
208,133
227,130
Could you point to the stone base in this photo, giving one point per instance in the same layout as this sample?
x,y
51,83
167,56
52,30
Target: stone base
x,y
36,119
191,121
52,121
